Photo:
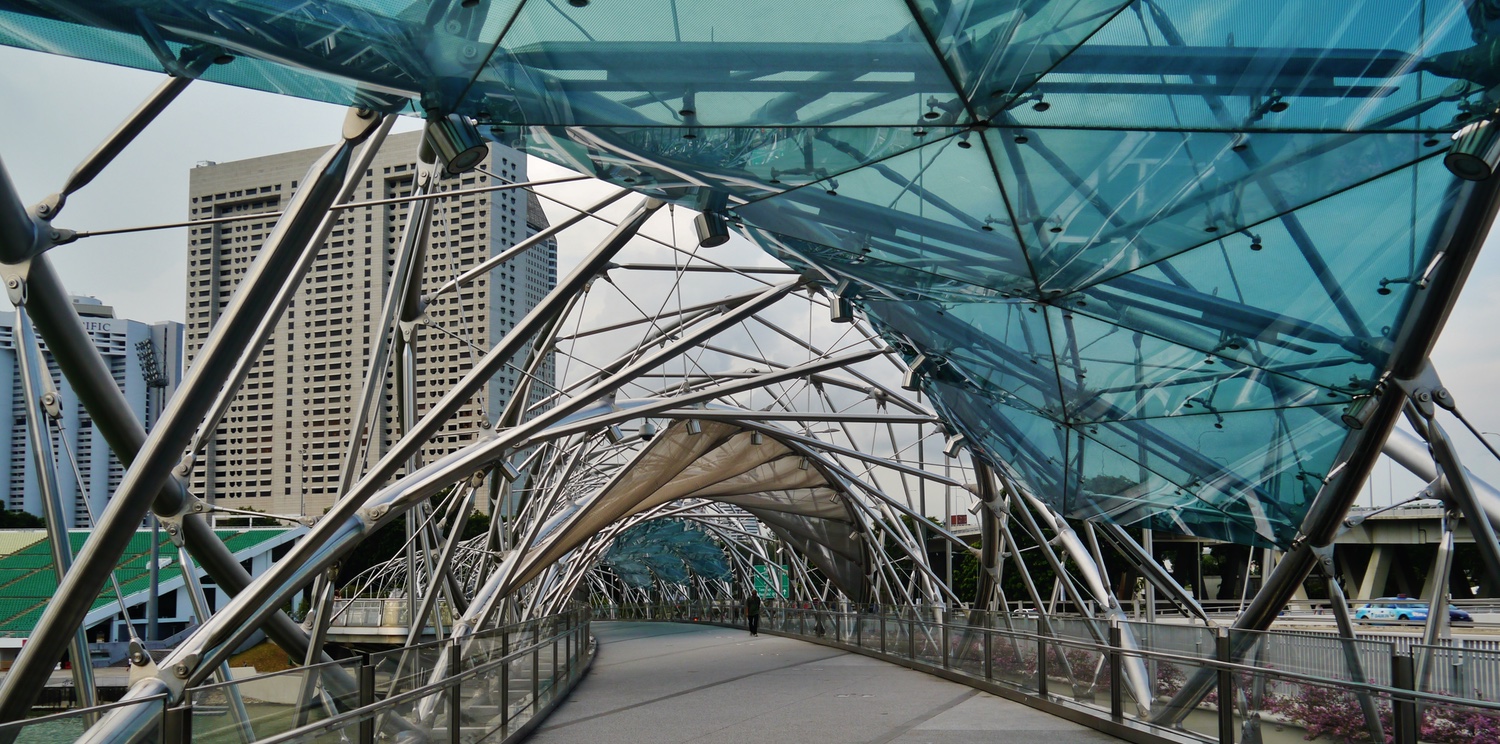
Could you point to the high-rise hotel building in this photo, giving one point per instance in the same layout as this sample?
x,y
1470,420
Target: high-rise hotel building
x,y
282,444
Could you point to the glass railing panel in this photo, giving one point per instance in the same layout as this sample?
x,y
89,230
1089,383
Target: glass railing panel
x,y
1013,661
547,665
897,637
868,632
1168,678
927,642
1087,670
518,697
270,704
1295,709
1182,640
966,650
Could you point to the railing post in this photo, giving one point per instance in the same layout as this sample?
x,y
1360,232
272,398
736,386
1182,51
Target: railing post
x,y
911,640
882,633
504,693
455,710
943,635
989,654
1041,666
178,722
1404,710
1116,679
536,679
1225,655
366,698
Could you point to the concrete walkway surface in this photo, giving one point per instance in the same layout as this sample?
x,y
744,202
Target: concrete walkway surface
x,y
671,683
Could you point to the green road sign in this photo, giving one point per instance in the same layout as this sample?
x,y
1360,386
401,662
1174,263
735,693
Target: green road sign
x,y
764,582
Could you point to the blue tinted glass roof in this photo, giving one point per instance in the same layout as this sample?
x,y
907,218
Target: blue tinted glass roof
x,y
1147,251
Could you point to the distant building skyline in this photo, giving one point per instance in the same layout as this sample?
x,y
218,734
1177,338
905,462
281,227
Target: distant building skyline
x,y
76,443
282,444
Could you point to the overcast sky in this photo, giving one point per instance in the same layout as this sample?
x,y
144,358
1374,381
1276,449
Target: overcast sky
x,y
57,109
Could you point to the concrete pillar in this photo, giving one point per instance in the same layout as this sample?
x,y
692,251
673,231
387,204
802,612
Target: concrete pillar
x,y
1377,572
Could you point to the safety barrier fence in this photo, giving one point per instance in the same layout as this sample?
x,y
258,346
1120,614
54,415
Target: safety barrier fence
x,y
380,612
497,686
1080,669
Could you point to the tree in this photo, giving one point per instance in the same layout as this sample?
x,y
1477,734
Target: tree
x,y
19,520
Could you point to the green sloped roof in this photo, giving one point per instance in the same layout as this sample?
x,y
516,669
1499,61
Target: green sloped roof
x,y
27,581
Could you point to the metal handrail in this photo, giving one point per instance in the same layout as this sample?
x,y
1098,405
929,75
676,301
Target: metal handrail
x,y
20,725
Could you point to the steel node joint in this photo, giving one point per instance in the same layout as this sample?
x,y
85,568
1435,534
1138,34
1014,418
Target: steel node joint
x,y
359,124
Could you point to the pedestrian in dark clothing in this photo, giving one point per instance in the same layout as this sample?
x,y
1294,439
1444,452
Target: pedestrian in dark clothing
x,y
752,612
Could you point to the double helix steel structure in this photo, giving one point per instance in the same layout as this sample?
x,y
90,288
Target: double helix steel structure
x,y
1140,267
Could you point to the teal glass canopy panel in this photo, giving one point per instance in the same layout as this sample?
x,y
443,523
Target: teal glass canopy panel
x,y
1250,65
1029,449
875,277
937,209
386,56
1002,349
714,63
1257,467
1223,214
704,167
1109,373
1115,488
1316,296
888,268
997,49
1092,204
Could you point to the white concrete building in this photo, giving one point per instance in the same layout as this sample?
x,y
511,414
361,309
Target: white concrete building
x,y
79,449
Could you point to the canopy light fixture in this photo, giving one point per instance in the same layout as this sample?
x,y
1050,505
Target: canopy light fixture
x,y
457,143
1475,152
1359,412
614,434
840,308
509,472
756,438
912,380
694,427
713,230
954,446
648,430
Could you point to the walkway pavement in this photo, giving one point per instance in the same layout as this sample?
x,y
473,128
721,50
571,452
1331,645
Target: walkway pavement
x,y
670,683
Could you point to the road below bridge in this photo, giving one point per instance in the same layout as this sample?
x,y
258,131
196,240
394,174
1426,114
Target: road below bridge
x,y
670,683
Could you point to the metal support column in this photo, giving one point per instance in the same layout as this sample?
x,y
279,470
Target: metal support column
x,y
296,232
1226,687
41,403
1340,606
1404,721
199,601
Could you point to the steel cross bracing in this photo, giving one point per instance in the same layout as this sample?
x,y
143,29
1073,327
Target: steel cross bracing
x,y
821,410
575,460
758,409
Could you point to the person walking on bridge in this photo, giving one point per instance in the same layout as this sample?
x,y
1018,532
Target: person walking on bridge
x,y
752,612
